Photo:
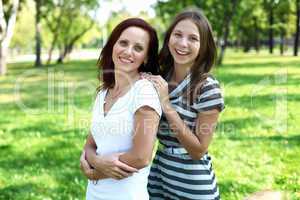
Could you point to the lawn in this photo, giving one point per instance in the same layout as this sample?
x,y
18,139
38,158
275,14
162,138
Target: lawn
x,y
45,114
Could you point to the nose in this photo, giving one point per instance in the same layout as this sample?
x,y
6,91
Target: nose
x,y
128,50
183,42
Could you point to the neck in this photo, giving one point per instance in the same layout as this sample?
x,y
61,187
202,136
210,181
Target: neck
x,y
180,72
123,81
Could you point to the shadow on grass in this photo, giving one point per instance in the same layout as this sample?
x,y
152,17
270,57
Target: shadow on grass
x,y
233,125
29,191
255,102
18,191
228,187
239,79
59,160
291,140
261,64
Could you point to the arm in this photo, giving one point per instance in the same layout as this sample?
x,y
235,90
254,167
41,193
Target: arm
x,y
146,125
90,149
195,144
107,166
88,171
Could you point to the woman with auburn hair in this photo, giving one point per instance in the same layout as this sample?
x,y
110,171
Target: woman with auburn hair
x,y
125,116
191,101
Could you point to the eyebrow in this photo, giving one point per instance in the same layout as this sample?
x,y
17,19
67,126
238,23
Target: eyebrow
x,y
137,43
198,36
175,30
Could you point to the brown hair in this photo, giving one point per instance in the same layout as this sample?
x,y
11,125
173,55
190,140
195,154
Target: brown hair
x,y
105,63
206,56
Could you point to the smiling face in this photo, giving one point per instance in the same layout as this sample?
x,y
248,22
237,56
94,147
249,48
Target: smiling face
x,y
131,49
184,43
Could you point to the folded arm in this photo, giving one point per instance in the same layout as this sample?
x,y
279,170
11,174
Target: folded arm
x,y
145,129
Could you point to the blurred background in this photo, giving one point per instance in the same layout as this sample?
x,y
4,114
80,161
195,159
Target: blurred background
x,y
48,77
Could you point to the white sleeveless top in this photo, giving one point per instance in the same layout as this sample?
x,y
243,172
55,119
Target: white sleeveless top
x,y
113,133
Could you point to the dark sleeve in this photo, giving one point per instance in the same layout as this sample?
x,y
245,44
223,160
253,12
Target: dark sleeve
x,y
210,96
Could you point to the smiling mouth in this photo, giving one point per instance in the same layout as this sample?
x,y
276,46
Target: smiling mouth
x,y
181,52
125,60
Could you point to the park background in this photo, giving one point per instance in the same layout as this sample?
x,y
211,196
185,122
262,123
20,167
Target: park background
x,y
48,55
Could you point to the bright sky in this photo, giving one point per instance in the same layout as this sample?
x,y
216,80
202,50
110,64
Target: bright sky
x,y
133,7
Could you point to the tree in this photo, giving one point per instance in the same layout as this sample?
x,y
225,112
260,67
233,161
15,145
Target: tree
x,y
38,39
68,21
248,25
269,6
7,22
283,10
20,42
229,12
72,33
296,42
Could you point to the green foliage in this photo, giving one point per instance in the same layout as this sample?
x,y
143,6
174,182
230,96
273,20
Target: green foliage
x,y
250,20
252,150
74,16
23,38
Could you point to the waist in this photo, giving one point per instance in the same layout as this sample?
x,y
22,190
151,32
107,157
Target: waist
x,y
171,150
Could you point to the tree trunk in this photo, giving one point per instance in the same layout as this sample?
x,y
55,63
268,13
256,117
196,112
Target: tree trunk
x,y
247,46
6,33
256,36
3,54
68,46
227,22
296,43
61,57
282,42
51,49
38,39
271,22
55,31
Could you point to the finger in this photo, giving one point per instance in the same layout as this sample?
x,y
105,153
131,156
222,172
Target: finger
x,y
85,165
126,168
157,79
156,83
123,173
117,176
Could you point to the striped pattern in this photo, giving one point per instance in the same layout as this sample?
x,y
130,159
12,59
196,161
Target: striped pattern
x,y
178,177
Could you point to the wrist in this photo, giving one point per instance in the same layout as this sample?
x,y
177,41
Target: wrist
x,y
166,105
95,160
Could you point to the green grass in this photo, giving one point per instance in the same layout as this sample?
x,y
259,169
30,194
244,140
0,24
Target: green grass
x,y
45,116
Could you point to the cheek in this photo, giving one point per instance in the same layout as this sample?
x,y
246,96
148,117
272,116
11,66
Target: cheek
x,y
114,55
171,47
172,42
141,57
196,48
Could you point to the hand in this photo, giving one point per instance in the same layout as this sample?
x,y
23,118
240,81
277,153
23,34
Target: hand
x,y
112,167
87,170
161,87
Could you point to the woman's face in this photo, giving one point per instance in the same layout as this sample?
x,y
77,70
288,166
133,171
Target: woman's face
x,y
184,43
131,49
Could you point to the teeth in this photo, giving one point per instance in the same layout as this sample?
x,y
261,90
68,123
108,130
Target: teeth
x,y
180,52
125,60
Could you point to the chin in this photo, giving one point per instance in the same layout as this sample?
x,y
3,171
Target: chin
x,y
182,62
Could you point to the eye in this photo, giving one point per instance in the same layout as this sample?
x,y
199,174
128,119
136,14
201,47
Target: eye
x,y
177,35
123,43
194,39
138,48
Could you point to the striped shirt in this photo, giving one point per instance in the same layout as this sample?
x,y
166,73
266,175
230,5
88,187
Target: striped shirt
x,y
176,176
